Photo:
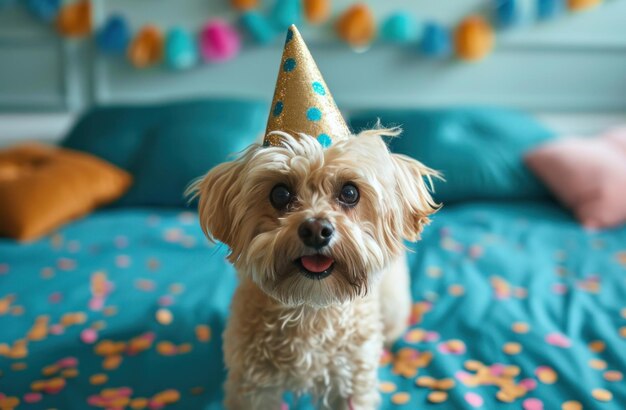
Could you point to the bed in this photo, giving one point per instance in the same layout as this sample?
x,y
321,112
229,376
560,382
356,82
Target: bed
x,y
134,301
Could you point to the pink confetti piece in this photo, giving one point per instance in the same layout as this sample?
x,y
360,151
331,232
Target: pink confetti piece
x,y
559,289
120,242
32,397
68,362
55,297
532,404
558,339
474,399
529,384
66,264
122,261
89,336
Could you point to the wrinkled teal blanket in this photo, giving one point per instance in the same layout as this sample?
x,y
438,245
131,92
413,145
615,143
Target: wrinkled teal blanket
x,y
513,302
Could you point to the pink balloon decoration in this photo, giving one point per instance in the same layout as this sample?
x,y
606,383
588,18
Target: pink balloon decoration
x,y
219,41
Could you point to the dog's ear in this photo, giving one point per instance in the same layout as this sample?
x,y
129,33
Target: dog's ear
x,y
216,193
413,194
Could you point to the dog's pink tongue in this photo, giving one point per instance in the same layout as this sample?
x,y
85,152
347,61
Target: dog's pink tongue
x,y
316,263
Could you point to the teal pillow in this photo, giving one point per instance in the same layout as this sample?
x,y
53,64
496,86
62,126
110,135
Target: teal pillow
x,y
116,133
478,150
166,146
172,156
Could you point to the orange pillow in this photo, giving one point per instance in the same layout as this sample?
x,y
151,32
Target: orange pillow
x,y
43,187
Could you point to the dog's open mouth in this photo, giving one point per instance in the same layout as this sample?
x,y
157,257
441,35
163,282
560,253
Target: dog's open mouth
x,y
315,266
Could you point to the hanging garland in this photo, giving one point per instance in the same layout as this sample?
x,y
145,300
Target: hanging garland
x,y
218,41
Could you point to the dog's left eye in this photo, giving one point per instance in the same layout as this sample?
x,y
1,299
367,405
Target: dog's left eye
x,y
349,195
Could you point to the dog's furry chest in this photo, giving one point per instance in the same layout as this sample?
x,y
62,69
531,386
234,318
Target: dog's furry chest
x,y
303,349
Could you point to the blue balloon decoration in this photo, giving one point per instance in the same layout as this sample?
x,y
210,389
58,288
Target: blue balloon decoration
x,y
181,51
506,13
548,9
46,10
436,41
401,27
114,36
259,27
286,12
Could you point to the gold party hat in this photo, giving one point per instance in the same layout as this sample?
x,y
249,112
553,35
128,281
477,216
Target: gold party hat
x,y
302,102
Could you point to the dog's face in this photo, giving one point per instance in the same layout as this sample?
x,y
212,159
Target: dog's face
x,y
312,225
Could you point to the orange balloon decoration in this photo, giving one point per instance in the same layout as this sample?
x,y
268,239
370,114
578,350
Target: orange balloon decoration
x,y
244,5
317,11
473,38
577,5
74,20
357,26
146,49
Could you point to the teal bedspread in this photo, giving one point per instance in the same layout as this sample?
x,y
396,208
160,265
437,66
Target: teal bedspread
x,y
515,307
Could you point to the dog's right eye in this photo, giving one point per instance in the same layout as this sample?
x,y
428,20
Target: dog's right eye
x,y
280,197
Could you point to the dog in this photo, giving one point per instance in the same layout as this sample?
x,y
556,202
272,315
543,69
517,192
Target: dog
x,y
316,236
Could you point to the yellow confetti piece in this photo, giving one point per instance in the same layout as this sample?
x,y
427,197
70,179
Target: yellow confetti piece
x,y
597,364
473,365
9,402
139,403
19,366
98,379
602,395
387,387
512,348
456,290
109,311
197,390
400,398
433,271
164,316
166,397
445,384
622,332
50,370
425,381
415,335
112,362
572,405
597,346
69,373
547,375
520,327
437,396
203,333
613,376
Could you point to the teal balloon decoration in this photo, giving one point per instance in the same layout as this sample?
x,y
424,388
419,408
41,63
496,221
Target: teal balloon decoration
x,y
401,27
506,13
548,9
436,41
46,10
181,51
114,36
259,27
285,13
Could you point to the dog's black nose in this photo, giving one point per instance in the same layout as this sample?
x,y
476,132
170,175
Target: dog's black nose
x,y
316,232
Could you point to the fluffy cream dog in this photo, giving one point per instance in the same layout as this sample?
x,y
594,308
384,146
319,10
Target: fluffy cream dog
x,y
316,235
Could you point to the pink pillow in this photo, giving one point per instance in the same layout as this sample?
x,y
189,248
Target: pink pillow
x,y
587,174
